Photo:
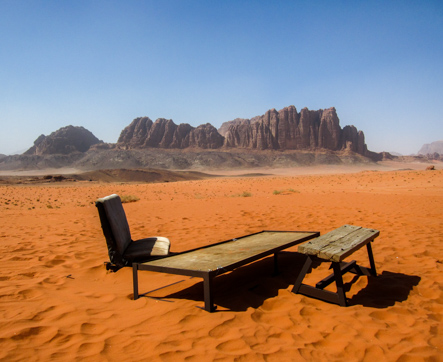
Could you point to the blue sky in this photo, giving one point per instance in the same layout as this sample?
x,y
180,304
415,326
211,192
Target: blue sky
x,y
100,64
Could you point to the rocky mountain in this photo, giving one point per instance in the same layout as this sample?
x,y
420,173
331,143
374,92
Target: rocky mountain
x,y
275,130
434,147
284,138
164,133
64,141
289,130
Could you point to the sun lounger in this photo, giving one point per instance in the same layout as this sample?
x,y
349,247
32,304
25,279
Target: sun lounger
x,y
334,247
122,250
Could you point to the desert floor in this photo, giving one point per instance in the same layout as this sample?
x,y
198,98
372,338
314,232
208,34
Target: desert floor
x,y
59,303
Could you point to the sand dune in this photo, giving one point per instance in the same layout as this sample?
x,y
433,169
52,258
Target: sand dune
x,y
59,303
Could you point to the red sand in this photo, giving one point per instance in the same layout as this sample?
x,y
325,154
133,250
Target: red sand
x,y
59,303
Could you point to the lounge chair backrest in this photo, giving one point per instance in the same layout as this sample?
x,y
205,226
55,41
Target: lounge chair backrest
x,y
118,223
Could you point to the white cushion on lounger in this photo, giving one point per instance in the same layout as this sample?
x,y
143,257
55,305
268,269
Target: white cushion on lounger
x,y
155,246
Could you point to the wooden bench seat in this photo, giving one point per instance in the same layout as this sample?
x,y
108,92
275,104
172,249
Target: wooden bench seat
x,y
335,246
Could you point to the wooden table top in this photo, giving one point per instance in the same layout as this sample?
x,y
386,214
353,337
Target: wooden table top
x,y
232,252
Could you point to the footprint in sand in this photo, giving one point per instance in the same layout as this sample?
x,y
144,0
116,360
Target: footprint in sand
x,y
54,262
29,294
105,315
104,298
20,258
279,320
28,275
234,347
91,349
54,280
43,333
92,329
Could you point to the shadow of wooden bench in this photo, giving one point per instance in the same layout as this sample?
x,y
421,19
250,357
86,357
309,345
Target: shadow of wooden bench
x,y
334,247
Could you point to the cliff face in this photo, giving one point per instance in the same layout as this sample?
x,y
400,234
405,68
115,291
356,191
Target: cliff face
x,y
275,130
289,130
164,133
63,141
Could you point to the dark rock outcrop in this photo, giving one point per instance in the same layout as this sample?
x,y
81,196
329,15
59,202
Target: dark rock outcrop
x,y
64,141
164,133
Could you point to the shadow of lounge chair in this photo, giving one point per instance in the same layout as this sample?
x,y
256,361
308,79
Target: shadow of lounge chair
x,y
122,250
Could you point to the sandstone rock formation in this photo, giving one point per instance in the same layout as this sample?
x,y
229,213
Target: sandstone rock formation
x,y
288,130
223,130
164,133
275,130
284,130
66,140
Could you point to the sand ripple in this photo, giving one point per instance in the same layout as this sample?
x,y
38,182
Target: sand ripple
x,y
59,303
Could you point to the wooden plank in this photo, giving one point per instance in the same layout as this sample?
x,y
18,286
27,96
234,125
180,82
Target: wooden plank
x,y
344,268
348,244
315,246
325,295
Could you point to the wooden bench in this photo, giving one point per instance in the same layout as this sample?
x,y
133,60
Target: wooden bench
x,y
336,246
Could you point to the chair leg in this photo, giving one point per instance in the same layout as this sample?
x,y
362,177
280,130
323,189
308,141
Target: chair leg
x,y
112,267
135,279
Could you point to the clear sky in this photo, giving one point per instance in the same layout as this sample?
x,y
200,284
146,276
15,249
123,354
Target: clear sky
x,y
100,64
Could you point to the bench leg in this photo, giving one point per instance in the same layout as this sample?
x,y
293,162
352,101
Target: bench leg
x,y
276,271
302,274
371,259
339,282
300,288
209,299
338,298
135,279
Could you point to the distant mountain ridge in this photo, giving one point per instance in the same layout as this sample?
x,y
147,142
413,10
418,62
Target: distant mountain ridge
x,y
275,130
284,138
282,130
434,147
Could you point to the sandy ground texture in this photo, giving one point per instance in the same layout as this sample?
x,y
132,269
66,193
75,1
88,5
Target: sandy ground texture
x,y
59,303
